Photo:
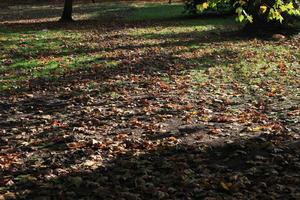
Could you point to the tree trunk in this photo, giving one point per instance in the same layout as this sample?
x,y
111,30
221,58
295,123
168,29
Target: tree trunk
x,y
67,13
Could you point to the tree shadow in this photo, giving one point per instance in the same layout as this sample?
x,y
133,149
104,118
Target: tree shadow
x,y
43,11
56,46
62,107
113,24
262,167
63,123
117,15
194,169
103,68
61,91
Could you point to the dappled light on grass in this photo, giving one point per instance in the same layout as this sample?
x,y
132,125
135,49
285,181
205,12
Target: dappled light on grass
x,y
168,109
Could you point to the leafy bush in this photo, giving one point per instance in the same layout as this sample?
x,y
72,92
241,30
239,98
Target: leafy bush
x,y
262,12
192,7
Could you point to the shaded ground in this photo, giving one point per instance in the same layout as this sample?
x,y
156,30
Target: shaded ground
x,y
170,109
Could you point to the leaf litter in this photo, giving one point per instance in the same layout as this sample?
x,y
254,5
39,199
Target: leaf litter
x,y
147,128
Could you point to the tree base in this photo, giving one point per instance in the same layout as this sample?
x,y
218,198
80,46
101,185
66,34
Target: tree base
x,y
66,20
267,29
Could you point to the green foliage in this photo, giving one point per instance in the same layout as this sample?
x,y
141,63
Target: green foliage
x,y
195,7
261,11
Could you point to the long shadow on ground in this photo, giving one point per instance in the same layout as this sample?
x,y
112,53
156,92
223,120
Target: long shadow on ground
x,y
55,129
262,167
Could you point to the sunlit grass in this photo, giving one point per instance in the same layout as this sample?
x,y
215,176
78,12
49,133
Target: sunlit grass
x,y
142,12
196,43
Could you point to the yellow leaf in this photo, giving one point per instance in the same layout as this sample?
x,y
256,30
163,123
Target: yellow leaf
x,y
199,7
173,139
202,6
194,113
263,9
205,5
205,118
224,186
256,129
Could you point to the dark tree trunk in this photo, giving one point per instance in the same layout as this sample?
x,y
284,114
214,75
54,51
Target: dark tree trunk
x,y
67,13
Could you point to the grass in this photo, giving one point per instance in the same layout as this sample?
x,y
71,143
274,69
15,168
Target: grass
x,y
90,109
37,53
148,11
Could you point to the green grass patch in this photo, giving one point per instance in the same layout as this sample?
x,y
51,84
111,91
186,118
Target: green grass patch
x,y
36,54
142,12
197,45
